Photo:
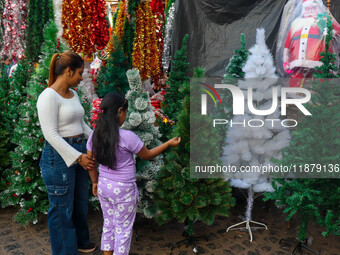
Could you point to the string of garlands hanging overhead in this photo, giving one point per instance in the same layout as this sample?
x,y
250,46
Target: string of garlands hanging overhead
x,y
145,54
85,25
158,12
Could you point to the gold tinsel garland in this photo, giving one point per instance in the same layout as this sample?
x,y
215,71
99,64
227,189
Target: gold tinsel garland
x,y
145,54
77,25
119,25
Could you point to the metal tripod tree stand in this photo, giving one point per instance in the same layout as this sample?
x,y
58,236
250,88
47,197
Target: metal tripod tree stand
x,y
301,245
250,202
189,238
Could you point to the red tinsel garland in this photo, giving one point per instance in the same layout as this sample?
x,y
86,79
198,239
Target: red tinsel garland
x,y
77,25
100,33
157,9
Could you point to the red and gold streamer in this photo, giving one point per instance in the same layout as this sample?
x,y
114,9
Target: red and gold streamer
x,y
158,12
145,54
77,25
119,25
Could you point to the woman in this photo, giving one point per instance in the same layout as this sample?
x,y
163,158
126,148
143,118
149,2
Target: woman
x,y
64,158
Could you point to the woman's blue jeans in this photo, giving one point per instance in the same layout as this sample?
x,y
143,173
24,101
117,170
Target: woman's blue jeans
x,y
68,196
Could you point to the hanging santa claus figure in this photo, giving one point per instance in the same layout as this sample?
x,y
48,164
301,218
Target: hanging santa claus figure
x,y
303,38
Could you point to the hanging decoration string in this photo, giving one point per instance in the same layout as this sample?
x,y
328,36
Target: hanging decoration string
x,y
166,57
77,25
145,54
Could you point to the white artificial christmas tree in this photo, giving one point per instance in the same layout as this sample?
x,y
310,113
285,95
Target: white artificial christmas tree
x,y
140,119
248,146
86,86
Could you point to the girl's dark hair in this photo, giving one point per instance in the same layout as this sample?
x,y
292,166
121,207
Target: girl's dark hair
x,y
60,62
106,134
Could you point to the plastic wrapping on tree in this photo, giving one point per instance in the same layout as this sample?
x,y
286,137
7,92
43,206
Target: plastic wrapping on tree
x,y
15,23
301,39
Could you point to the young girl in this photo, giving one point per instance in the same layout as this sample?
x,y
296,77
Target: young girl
x,y
113,148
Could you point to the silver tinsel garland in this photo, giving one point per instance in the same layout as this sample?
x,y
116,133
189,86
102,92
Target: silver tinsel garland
x,y
166,55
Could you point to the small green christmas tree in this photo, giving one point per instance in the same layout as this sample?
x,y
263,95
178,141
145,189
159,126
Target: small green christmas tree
x,y
39,12
173,99
315,141
236,62
112,76
17,93
140,119
185,199
129,29
26,185
4,136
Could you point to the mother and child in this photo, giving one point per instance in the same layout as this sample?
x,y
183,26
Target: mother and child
x,y
68,159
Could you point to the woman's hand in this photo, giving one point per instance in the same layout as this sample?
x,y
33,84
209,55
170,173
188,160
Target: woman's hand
x,y
95,189
174,141
86,162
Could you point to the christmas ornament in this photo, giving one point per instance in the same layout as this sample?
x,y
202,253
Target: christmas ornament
x,y
16,172
27,179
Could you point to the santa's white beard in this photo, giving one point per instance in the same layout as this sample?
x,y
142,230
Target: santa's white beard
x,y
300,23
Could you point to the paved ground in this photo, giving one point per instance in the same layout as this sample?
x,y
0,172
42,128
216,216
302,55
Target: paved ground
x,y
157,240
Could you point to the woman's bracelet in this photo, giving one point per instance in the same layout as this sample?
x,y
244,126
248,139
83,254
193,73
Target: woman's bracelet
x,y
79,159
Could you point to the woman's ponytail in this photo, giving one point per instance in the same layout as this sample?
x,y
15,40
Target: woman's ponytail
x,y
52,77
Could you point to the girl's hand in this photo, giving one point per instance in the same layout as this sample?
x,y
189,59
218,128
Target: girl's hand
x,y
86,162
95,189
174,141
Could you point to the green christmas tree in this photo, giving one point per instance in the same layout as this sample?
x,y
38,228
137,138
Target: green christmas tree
x,y
129,29
12,95
179,197
234,72
315,141
236,62
173,98
39,12
140,119
26,185
112,76
4,136
17,93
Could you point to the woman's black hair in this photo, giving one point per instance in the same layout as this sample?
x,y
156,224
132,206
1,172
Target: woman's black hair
x,y
106,134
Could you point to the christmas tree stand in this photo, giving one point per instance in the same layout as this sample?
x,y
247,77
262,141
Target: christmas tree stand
x,y
136,227
250,202
301,245
189,239
247,227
